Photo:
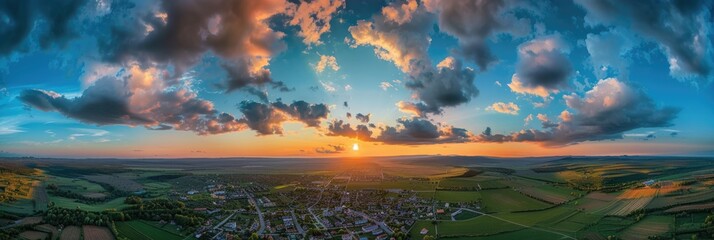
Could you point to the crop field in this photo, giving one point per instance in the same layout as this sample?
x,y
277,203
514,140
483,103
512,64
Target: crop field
x,y
691,207
649,227
474,183
638,193
483,225
405,185
627,206
96,233
547,195
507,200
71,233
33,235
465,215
606,226
576,222
542,217
663,202
457,196
595,202
48,228
139,230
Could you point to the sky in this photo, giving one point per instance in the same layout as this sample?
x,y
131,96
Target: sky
x,y
222,78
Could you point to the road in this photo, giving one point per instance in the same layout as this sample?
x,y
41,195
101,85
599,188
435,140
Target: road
x,y
297,224
260,216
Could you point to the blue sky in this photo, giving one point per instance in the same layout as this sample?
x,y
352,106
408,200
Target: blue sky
x,y
108,79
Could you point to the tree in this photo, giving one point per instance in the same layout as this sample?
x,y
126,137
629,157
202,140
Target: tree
x,y
254,236
429,237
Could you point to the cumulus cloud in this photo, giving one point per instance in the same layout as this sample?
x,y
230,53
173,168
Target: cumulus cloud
x,y
395,37
330,149
401,35
268,118
681,28
313,18
451,84
179,33
138,98
543,67
326,61
605,112
409,131
507,108
474,22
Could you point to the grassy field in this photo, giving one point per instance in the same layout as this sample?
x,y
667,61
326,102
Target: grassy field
x,y
71,233
117,203
140,230
483,225
507,200
457,196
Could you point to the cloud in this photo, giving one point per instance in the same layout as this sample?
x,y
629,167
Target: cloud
x,y
401,41
330,149
605,112
179,33
474,22
328,86
543,67
364,118
9,126
527,120
608,54
401,35
138,98
48,21
507,108
682,29
409,131
267,118
385,86
326,62
451,84
313,18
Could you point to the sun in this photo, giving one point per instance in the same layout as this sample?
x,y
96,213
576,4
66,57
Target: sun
x,y
355,147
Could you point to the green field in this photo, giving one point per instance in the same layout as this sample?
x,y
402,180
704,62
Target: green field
x,y
404,185
507,200
140,230
19,207
457,196
117,203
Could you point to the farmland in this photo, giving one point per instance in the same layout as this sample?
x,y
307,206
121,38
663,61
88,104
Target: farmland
x,y
141,230
565,198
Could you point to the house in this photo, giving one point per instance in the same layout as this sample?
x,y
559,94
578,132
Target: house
x,y
424,231
369,228
439,211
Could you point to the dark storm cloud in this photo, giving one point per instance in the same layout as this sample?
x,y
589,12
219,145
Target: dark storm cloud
x,y
683,28
604,113
108,101
364,118
474,22
409,131
267,118
19,18
330,149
